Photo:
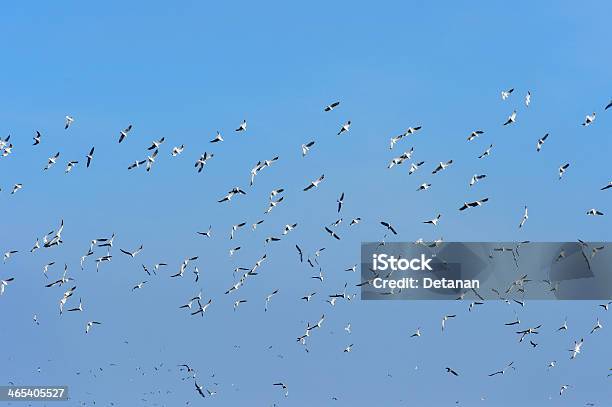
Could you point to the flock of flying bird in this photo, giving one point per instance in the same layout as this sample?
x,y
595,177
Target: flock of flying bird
x,y
101,249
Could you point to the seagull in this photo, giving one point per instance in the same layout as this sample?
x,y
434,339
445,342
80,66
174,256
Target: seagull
x,y
315,183
414,167
70,166
4,284
77,309
132,254
37,138
446,318
595,250
525,217
505,94
442,166
474,134
597,326
254,225
51,161
123,134
476,178
235,228
528,99
242,126
268,298
90,156
202,308
136,164
434,221
237,303
608,105
389,226
288,228
423,187
588,120
69,121
563,327
151,160
400,160
511,118
417,333
345,127
486,152
89,325
8,255
300,253
177,150
606,306
576,349
200,389
233,251
332,233
308,297
562,169
411,130
607,186
541,142
348,348
347,328
473,204
207,233
284,386
355,221
201,162
217,138
594,212
306,148
503,371
551,364
273,204
46,268
563,388
156,143
451,371
331,107
340,201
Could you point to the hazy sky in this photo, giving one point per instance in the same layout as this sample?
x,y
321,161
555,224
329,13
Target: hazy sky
x,y
184,71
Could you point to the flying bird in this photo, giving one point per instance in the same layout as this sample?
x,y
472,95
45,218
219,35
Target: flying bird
x,y
315,183
345,127
541,142
124,133
511,118
331,107
90,156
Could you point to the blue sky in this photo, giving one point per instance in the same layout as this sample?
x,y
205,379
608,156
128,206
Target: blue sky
x,y
183,72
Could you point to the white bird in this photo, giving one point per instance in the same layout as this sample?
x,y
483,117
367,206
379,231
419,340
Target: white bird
x,y
217,138
417,333
541,142
69,121
597,326
4,284
89,325
306,148
486,152
589,119
201,162
315,183
151,160
525,217
8,255
424,187
208,233
446,318
268,298
474,134
139,285
51,161
562,169
345,127
156,143
563,388
273,204
442,166
594,212
132,254
476,178
70,166
242,126
237,303
505,94
124,133
288,228
576,349
434,221
414,167
511,118
331,107
528,99
348,348
347,328
177,150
